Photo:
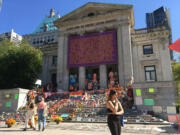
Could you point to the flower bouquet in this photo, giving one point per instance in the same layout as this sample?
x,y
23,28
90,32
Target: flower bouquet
x,y
56,118
35,121
10,122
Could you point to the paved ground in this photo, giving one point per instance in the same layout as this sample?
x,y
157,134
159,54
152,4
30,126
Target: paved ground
x,y
90,129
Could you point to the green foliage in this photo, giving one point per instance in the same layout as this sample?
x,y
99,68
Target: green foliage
x,y
176,76
20,64
176,71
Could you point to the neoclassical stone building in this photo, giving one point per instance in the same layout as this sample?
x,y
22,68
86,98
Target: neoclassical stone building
x,y
101,38
45,37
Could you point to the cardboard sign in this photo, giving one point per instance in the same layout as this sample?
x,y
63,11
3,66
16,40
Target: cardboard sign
x,y
171,110
172,118
138,92
149,102
139,100
7,95
16,96
8,104
157,109
151,90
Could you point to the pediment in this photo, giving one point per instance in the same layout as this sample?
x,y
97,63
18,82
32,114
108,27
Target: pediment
x,y
92,10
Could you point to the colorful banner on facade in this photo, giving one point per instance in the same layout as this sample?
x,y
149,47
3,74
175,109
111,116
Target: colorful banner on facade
x,y
75,95
93,49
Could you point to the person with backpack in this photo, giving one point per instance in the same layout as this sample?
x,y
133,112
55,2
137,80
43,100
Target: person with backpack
x,y
38,97
30,114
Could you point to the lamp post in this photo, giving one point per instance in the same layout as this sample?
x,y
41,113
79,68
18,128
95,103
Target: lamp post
x,y
0,4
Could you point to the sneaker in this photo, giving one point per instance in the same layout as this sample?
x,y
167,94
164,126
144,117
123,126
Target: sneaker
x,y
34,128
43,129
25,129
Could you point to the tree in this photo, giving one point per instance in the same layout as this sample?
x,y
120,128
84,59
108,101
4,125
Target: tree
x,y
176,76
20,64
176,71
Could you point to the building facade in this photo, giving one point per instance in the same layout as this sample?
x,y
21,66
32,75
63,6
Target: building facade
x,y
12,36
97,39
45,37
160,17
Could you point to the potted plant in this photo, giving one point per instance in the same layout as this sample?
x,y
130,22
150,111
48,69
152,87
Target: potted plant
x,y
56,118
10,122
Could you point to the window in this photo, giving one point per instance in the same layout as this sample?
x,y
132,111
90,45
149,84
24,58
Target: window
x,y
150,73
53,78
54,60
147,49
91,14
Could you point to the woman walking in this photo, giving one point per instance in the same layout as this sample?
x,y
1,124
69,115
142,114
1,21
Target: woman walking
x,y
42,107
114,109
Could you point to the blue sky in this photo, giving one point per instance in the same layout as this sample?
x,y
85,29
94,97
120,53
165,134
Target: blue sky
x,y
25,15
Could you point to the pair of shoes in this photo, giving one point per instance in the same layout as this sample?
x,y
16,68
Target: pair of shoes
x,y
25,129
43,129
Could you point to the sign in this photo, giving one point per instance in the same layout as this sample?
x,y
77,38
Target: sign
x,y
148,102
139,100
7,95
151,90
138,92
172,118
157,109
8,104
16,96
171,110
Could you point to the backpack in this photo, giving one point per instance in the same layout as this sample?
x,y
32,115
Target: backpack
x,y
31,106
38,99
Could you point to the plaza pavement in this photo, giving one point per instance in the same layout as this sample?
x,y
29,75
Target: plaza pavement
x,y
90,129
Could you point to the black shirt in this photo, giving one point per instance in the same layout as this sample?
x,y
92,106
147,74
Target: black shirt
x,y
110,111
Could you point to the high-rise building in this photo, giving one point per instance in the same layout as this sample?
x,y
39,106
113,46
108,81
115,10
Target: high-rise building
x,y
12,36
160,17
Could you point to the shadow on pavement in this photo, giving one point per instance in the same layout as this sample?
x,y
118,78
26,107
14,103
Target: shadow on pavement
x,y
5,129
171,129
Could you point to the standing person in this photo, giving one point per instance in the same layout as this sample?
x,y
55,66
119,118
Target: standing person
x,y
30,114
42,108
114,109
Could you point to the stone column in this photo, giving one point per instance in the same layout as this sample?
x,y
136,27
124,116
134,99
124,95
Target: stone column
x,y
48,69
82,77
44,70
65,68
60,61
125,66
103,76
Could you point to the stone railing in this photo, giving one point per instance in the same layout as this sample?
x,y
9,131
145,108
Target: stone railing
x,y
147,30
